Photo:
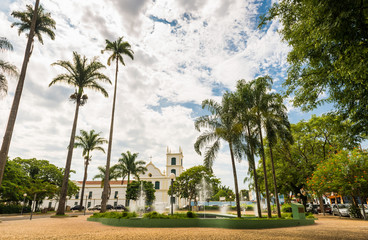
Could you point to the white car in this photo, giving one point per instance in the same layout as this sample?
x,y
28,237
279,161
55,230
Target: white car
x,y
341,210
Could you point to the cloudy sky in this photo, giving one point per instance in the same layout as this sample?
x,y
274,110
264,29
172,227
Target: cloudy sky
x,y
185,51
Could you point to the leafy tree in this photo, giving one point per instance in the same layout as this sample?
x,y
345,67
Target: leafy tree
x,y
15,182
81,75
187,184
37,24
331,59
118,48
113,175
88,141
134,191
6,68
222,124
224,192
129,166
344,173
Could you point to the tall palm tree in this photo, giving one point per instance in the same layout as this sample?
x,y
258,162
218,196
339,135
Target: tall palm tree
x,y
113,175
36,24
129,166
277,126
261,106
5,67
244,103
88,141
221,125
118,48
81,75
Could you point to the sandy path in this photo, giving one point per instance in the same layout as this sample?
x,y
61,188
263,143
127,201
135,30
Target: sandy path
x,y
79,228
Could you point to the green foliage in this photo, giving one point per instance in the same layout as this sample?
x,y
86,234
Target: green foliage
x,y
286,208
191,214
118,215
156,215
354,211
224,192
287,215
134,188
331,58
13,208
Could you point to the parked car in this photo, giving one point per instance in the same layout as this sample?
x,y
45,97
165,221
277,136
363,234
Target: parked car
x,y
327,207
341,210
121,207
77,207
97,207
109,207
312,208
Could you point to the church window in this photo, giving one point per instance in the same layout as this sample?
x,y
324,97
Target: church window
x,y
173,161
173,171
149,174
77,195
157,185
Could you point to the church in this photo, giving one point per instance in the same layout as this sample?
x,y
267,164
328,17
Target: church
x,y
160,180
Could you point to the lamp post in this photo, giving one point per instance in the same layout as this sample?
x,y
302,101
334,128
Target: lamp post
x,y
24,202
172,177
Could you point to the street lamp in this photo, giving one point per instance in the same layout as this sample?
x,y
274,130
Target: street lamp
x,y
24,202
172,177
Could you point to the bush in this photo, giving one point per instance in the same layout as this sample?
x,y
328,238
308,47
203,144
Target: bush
x,y
191,214
13,208
155,215
286,208
354,211
212,207
249,207
287,215
118,215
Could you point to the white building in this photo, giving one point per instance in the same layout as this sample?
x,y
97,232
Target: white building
x,y
161,182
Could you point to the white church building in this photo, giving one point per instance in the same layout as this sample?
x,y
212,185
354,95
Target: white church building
x,y
160,180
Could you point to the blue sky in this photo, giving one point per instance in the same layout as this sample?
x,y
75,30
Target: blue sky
x,y
185,51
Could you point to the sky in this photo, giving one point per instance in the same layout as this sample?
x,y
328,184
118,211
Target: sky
x,y
185,51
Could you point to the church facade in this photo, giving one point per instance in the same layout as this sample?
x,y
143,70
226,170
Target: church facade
x,y
160,179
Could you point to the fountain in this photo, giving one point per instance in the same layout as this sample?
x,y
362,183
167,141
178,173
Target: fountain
x,y
204,190
141,203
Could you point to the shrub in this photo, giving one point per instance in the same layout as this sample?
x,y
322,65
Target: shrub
x,y
354,212
155,215
117,215
286,208
287,215
249,207
13,208
212,207
191,214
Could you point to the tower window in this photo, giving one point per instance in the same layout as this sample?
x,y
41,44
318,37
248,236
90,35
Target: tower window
x,y
173,161
157,185
173,171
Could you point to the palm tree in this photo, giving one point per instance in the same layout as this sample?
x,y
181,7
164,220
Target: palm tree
x,y
222,124
37,24
88,142
129,166
277,126
81,75
5,67
113,175
118,49
244,103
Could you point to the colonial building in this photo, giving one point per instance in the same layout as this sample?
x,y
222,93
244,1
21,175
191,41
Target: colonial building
x,y
160,179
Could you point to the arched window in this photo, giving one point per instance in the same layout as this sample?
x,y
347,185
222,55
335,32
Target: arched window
x,y
173,171
173,161
157,185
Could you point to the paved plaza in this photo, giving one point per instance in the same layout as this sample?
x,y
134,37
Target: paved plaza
x,y
78,228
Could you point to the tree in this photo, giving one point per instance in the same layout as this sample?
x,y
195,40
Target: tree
x,y
5,67
113,175
88,142
222,124
36,24
134,191
224,191
344,173
118,49
187,183
330,61
81,75
127,166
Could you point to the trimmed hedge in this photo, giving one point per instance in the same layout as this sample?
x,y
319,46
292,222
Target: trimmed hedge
x,y
13,208
205,223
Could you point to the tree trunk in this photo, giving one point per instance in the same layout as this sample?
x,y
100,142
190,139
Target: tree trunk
x,y
275,184
107,172
126,194
18,93
64,187
269,215
321,205
235,182
84,182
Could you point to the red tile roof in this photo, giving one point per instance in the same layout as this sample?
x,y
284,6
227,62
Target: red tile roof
x,y
99,182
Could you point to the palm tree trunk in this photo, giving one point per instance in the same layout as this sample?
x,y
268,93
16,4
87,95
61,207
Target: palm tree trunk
x,y
126,193
275,184
64,187
235,181
269,215
107,172
18,93
84,182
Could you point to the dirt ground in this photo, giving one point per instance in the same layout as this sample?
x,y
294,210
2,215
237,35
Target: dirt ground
x,y
78,228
